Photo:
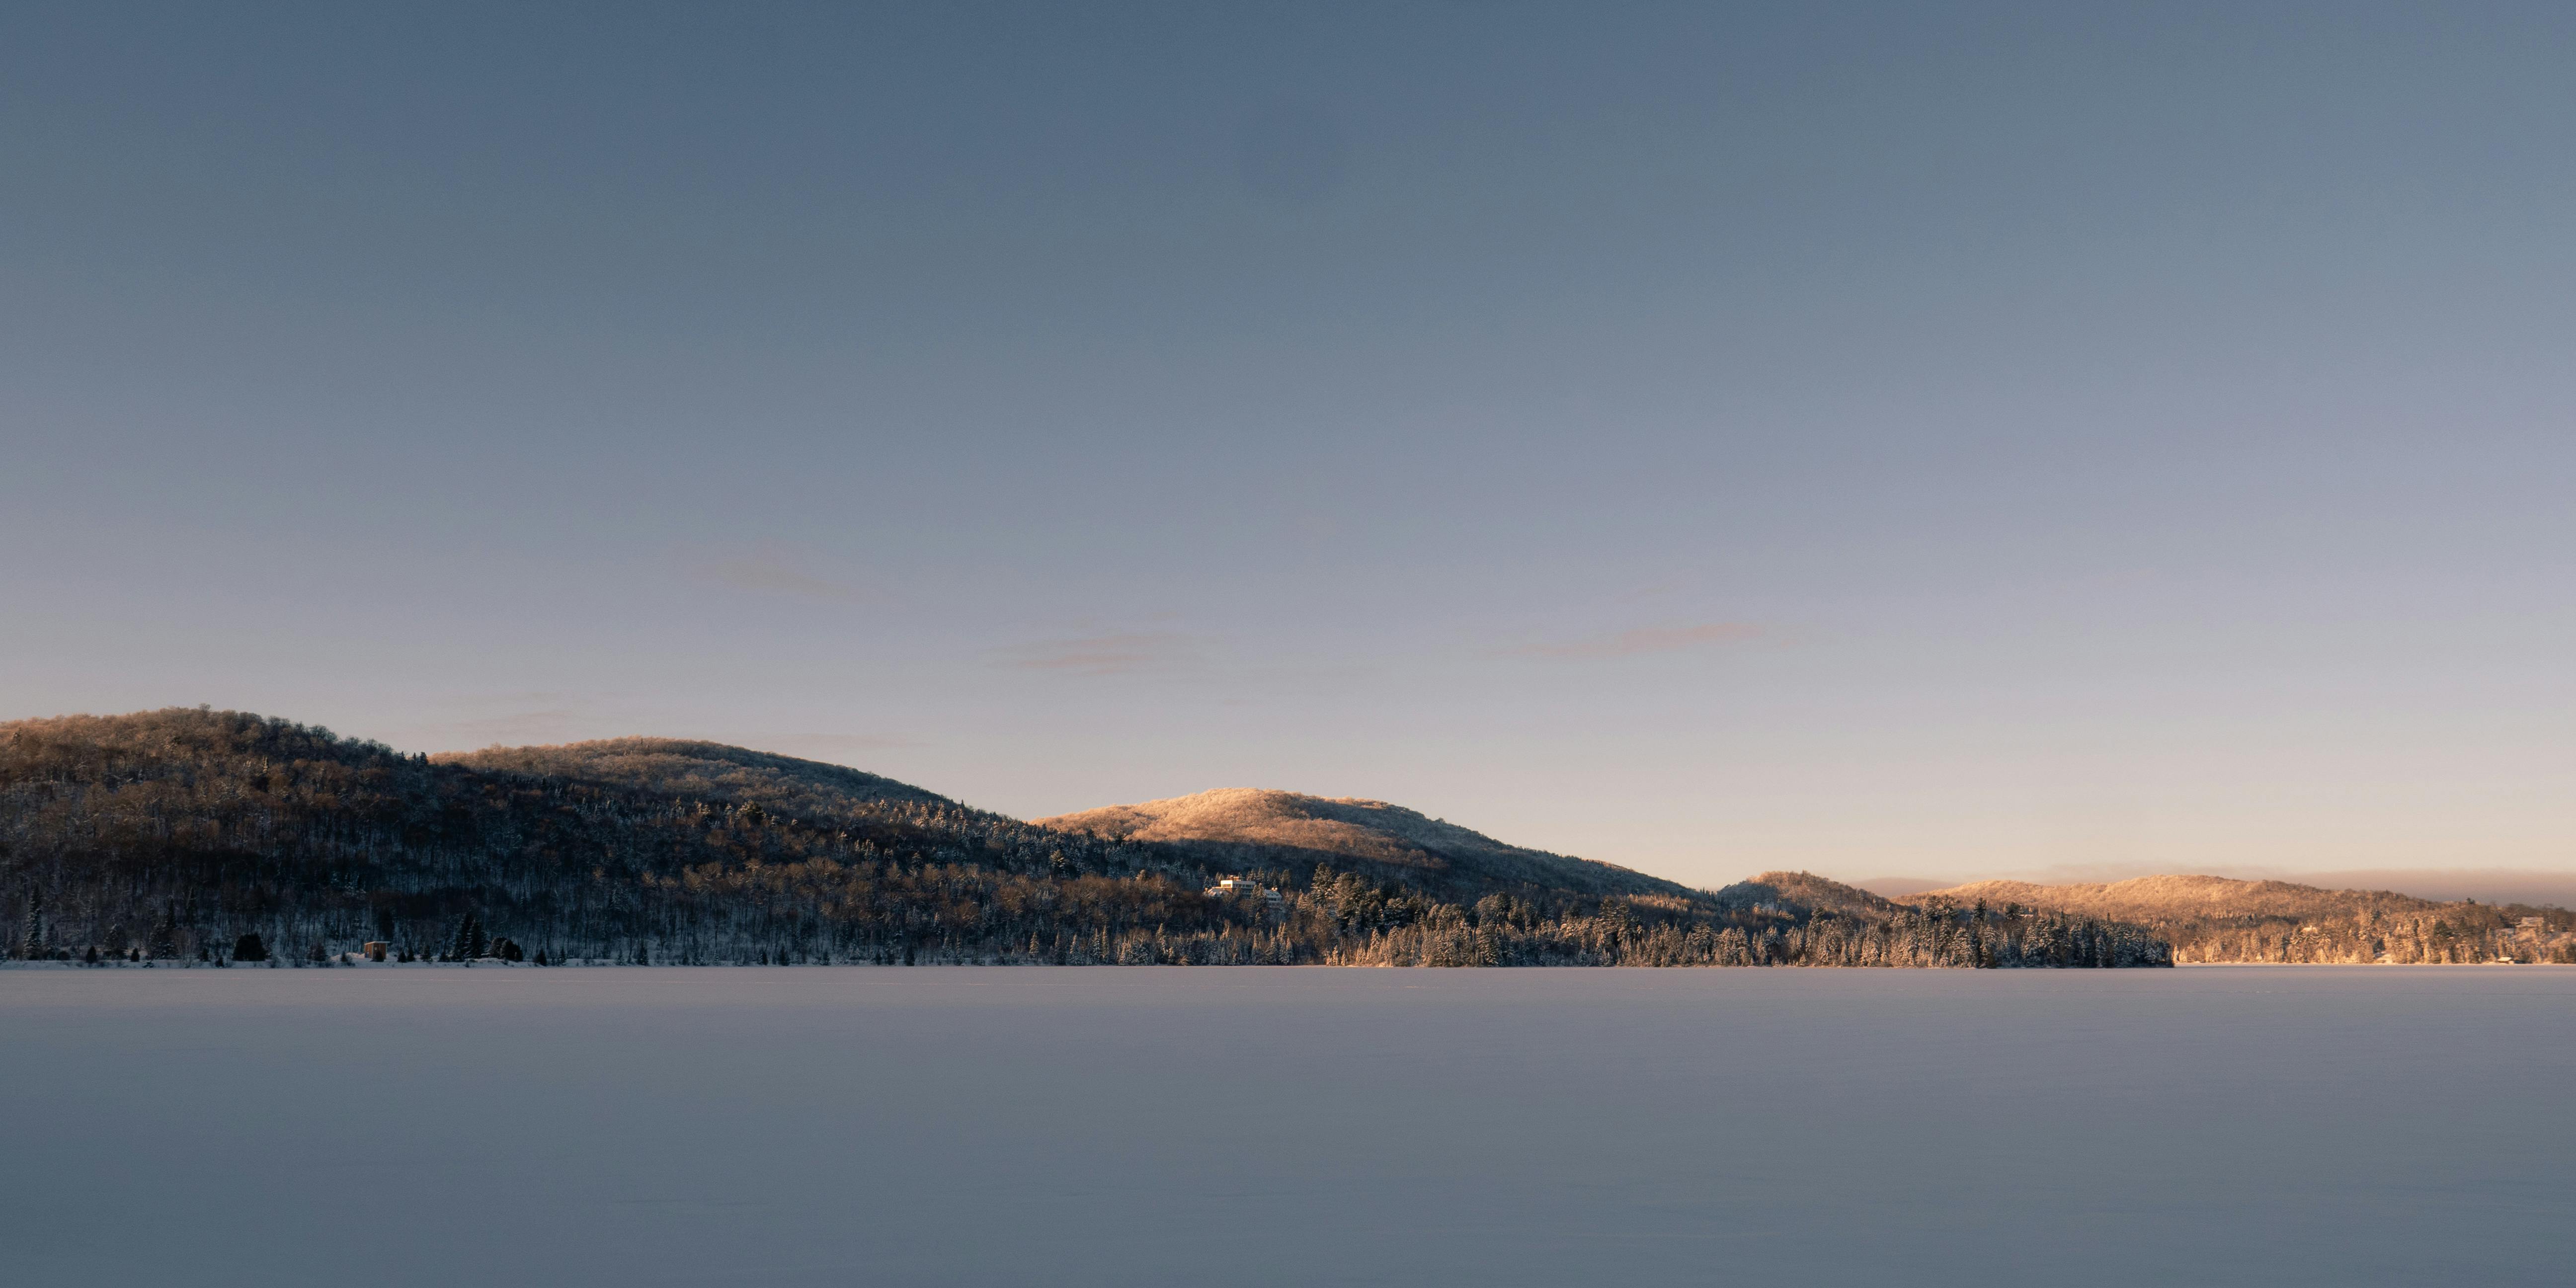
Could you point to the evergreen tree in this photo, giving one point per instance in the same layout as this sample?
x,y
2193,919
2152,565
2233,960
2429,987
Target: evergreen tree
x,y
165,932
469,941
38,938
248,948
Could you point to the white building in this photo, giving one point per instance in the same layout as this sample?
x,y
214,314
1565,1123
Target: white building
x,y
1245,888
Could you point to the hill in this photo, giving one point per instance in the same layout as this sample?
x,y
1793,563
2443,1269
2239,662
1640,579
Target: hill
x,y
199,836
2216,919
184,833
1252,828
782,785
1805,890
2186,897
1781,917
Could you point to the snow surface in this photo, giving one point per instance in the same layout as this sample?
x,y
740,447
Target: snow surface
x,y
2246,1125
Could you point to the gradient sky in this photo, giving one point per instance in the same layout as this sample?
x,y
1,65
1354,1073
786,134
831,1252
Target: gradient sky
x,y
1872,439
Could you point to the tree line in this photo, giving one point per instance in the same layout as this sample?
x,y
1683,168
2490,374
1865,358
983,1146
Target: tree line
x,y
2454,934
220,837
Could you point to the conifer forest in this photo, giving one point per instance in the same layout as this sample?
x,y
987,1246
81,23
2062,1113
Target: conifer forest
x,y
225,839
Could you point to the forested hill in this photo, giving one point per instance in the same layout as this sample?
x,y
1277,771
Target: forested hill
x,y
215,836
1801,889
1249,827
2215,919
780,785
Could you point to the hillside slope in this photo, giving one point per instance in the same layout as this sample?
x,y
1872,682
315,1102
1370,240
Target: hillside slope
x,y
1804,890
782,785
2217,919
1256,828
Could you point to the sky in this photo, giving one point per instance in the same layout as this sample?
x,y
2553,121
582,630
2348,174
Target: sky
x,y
1871,439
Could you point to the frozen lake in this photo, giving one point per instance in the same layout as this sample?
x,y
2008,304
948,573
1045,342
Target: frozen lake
x,y
635,1127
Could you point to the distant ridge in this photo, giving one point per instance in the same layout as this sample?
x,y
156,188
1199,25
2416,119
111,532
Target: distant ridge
x,y
2219,919
2451,885
2185,896
1900,887
1259,827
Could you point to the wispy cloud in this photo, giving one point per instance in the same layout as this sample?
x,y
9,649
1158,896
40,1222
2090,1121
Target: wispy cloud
x,y
770,570
1118,653
1646,639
